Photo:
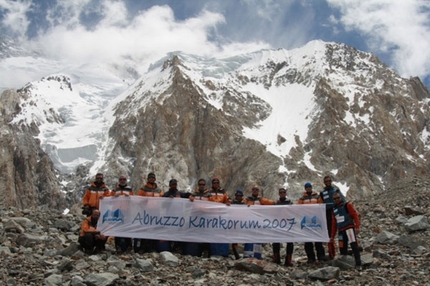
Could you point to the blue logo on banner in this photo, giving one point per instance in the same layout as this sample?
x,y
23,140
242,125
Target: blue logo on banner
x,y
310,222
113,216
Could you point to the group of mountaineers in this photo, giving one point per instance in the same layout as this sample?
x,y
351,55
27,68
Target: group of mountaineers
x,y
341,216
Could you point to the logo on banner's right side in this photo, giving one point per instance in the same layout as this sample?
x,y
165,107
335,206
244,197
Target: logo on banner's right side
x,y
311,222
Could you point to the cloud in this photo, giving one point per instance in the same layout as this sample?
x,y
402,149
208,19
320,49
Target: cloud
x,y
15,17
116,37
400,29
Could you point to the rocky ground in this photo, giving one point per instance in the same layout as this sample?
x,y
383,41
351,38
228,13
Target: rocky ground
x,y
39,248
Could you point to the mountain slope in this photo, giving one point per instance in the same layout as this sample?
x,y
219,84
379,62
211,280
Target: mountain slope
x,y
273,118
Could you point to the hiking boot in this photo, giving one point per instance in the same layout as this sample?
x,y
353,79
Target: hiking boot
x,y
289,260
276,258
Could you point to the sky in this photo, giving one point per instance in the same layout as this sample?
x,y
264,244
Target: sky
x,y
138,33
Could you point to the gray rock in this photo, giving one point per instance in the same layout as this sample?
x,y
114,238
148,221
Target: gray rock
x,y
24,222
168,259
198,273
409,241
12,226
145,265
101,279
54,279
381,254
343,262
325,273
69,250
5,250
64,224
410,210
250,265
417,223
29,240
386,237
366,259
81,264
419,250
77,281
401,219
298,274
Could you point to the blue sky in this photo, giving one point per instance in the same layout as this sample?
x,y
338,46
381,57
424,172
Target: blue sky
x,y
398,32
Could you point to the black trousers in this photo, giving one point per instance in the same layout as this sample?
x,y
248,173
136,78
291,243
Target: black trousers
x,y
310,253
277,247
346,236
89,242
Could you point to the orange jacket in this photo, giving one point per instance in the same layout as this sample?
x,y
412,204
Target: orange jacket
x,y
87,227
202,196
262,201
122,190
313,198
93,194
150,190
218,196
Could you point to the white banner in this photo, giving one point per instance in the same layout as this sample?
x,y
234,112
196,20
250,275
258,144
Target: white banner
x,y
201,221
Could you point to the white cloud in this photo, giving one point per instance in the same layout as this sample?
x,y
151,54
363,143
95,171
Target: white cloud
x,y
398,28
140,40
15,18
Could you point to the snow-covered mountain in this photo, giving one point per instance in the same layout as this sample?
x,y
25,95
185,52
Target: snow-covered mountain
x,y
273,118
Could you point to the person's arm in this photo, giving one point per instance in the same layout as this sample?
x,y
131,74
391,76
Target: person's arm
x,y
87,227
355,216
108,193
86,199
333,226
265,201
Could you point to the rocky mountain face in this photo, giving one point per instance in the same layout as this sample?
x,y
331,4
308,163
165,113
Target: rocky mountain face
x,y
189,118
368,127
40,247
27,175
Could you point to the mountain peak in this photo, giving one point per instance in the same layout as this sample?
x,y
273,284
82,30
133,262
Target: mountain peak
x,y
272,117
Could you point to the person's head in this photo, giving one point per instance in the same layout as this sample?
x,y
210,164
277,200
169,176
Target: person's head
x,y
282,192
337,199
255,190
327,181
238,194
215,183
173,183
99,179
151,177
201,184
122,180
308,187
95,214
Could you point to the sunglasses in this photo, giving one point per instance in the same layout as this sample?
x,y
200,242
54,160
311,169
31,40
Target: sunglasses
x,y
99,178
216,182
202,184
336,198
326,181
